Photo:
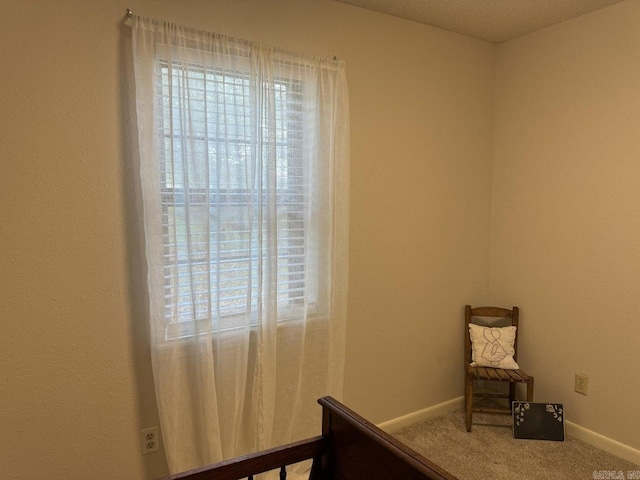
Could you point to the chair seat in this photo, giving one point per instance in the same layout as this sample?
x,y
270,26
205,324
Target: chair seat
x,y
498,374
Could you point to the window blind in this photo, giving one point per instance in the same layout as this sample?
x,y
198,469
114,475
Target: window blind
x,y
210,160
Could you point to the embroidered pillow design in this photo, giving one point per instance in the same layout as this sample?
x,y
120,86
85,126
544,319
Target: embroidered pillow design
x,y
493,346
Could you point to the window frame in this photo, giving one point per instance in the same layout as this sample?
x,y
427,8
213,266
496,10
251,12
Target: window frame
x,y
176,328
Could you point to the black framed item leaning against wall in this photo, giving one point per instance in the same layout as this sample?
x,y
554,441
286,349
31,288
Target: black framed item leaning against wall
x,y
538,421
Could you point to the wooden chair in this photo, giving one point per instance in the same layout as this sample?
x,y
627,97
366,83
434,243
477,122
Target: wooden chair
x,y
494,317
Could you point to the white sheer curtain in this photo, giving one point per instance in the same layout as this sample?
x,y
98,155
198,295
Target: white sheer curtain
x,y
244,177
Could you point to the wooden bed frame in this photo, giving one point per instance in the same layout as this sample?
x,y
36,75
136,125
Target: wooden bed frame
x,y
350,448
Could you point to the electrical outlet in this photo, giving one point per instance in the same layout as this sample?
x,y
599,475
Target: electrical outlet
x,y
582,383
150,440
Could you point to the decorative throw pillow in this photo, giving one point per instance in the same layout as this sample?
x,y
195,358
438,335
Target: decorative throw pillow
x,y
493,346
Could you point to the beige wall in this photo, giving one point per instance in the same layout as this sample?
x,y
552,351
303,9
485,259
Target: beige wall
x,y
75,380
566,200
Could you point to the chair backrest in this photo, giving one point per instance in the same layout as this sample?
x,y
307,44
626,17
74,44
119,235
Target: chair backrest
x,y
489,316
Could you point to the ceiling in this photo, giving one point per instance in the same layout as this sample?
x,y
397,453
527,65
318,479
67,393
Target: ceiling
x,y
492,20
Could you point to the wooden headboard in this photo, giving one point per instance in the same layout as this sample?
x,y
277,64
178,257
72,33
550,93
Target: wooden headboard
x,y
357,449
350,448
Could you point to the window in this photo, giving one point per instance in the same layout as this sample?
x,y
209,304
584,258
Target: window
x,y
221,191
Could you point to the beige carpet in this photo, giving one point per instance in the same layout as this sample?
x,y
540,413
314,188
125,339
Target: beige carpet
x,y
491,452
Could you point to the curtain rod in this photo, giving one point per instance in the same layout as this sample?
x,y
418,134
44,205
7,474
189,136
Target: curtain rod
x,y
129,14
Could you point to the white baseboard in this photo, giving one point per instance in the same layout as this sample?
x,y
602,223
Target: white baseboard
x,y
603,443
422,415
592,438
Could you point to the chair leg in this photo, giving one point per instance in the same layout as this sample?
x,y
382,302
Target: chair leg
x,y
512,394
530,390
468,401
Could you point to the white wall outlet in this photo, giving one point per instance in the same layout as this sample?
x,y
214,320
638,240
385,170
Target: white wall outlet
x,y
150,440
582,383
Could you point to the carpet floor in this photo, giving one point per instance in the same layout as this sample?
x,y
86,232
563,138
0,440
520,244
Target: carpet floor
x,y
491,452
